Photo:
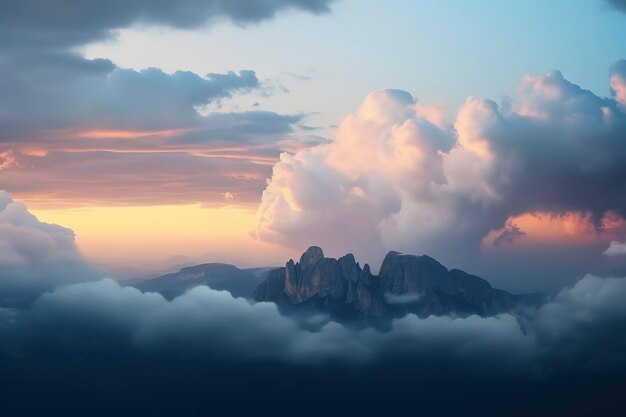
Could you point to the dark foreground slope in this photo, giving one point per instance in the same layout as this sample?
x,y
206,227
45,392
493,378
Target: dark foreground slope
x,y
163,388
405,284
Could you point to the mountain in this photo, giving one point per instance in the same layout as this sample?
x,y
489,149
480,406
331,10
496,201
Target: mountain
x,y
405,284
239,282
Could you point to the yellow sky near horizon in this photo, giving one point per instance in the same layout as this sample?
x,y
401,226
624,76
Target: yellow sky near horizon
x,y
146,236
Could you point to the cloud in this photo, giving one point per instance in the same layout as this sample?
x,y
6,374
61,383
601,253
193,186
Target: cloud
x,y
617,4
615,249
580,319
509,233
34,257
575,340
56,104
618,83
402,298
102,319
44,101
139,176
64,119
169,166
37,24
47,86
400,176
135,130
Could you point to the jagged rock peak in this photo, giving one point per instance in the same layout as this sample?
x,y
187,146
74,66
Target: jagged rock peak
x,y
349,258
396,259
312,256
388,260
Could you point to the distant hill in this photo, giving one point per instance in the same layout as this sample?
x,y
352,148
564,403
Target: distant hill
x,y
239,282
405,284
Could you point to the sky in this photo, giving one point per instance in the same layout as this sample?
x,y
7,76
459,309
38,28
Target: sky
x,y
438,51
485,134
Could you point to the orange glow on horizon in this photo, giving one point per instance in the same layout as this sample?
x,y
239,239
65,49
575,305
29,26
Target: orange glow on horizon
x,y
567,229
127,134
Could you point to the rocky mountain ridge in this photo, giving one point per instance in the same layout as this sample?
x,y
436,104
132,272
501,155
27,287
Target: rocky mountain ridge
x,y
405,284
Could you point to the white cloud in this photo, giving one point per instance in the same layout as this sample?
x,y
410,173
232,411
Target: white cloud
x,y
104,317
34,256
580,328
402,298
616,249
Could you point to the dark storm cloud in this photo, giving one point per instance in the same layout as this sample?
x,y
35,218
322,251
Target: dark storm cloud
x,y
50,98
618,4
562,150
245,128
68,92
49,86
41,24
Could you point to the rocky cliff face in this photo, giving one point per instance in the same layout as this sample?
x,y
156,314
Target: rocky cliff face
x,y
406,284
338,286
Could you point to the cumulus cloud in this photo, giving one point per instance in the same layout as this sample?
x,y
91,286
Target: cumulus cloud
x,y
400,176
34,257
